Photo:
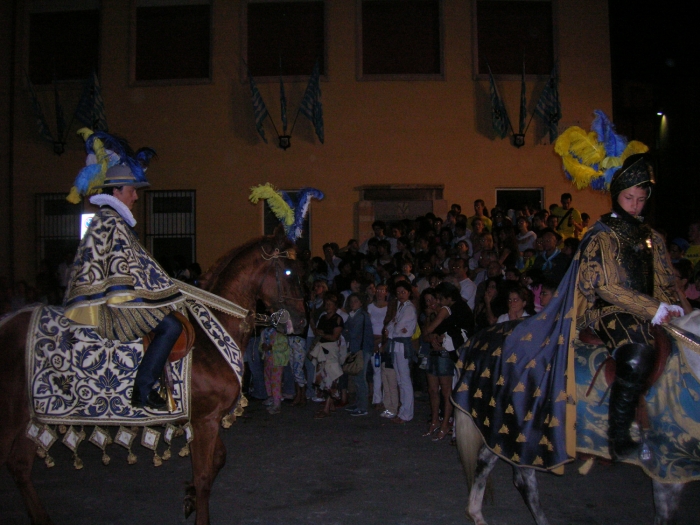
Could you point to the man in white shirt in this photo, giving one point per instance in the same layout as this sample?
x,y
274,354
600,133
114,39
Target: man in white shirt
x,y
467,287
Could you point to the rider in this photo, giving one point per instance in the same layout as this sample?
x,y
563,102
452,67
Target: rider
x,y
628,282
115,285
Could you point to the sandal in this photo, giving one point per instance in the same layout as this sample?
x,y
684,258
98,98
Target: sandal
x,y
440,436
433,428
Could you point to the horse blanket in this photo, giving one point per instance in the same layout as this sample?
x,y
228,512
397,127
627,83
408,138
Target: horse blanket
x,y
75,377
673,408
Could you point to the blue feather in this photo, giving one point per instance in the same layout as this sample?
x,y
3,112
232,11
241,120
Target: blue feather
x,y
86,176
302,208
287,198
144,156
614,144
598,183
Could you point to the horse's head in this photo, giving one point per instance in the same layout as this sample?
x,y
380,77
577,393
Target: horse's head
x,y
281,288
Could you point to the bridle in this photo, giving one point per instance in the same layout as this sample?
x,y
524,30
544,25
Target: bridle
x,y
282,315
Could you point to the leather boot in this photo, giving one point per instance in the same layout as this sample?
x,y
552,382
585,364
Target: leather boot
x,y
634,363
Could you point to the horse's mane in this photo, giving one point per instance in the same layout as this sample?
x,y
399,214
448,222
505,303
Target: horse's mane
x,y
211,276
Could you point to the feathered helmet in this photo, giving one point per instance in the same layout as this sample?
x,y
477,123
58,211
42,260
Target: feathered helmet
x,y
592,158
290,215
110,162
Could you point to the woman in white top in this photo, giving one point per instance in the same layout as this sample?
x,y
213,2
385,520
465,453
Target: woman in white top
x,y
520,305
399,331
377,312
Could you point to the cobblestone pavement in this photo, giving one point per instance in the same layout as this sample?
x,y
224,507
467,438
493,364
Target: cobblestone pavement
x,y
292,469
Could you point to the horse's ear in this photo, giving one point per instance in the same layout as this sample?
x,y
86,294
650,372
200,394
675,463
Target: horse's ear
x,y
280,235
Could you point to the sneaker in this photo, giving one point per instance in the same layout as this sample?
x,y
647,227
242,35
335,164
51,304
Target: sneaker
x,y
351,408
387,414
317,399
274,409
359,412
268,402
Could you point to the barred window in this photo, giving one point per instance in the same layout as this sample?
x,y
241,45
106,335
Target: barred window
x,y
58,227
171,228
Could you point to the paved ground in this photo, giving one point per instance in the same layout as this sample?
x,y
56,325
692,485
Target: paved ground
x,y
292,469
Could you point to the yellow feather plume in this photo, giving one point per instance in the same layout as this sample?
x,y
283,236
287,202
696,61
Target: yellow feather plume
x,y
633,148
581,174
274,200
73,196
584,145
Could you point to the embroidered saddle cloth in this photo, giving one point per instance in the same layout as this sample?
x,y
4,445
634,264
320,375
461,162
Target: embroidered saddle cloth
x,y
672,405
75,377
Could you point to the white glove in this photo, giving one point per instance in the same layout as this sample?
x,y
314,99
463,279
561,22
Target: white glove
x,y
665,312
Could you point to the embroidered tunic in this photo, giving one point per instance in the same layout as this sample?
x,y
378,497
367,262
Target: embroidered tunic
x,y
115,285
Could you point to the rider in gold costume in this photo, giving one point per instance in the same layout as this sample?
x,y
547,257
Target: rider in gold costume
x,y
628,283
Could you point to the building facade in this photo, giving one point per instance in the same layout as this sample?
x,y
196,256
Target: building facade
x,y
405,95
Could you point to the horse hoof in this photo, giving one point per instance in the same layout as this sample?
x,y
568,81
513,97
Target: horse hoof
x,y
190,506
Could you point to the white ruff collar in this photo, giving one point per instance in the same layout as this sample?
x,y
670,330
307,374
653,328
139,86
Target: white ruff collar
x,y
109,200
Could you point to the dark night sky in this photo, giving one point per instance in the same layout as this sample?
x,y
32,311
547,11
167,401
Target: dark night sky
x,y
654,43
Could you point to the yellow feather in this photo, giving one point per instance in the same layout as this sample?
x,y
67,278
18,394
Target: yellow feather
x,y
586,147
581,174
563,142
84,133
73,196
633,148
274,200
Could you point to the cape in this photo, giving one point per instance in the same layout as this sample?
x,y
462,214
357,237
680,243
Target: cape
x,y
517,378
113,271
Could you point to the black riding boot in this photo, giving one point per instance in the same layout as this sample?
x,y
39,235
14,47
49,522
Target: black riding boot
x,y
151,366
634,363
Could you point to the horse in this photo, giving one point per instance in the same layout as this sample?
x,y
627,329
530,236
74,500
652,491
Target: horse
x,y
673,438
263,269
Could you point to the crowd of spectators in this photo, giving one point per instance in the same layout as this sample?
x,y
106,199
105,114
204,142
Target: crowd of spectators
x,y
402,302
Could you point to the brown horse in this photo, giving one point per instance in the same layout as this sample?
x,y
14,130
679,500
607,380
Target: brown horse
x,y
261,269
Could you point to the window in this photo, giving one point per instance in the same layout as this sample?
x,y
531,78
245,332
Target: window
x,y
286,34
172,41
516,198
64,40
58,227
171,229
400,38
510,32
270,222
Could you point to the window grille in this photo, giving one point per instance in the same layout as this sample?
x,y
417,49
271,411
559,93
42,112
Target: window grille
x,y
171,228
58,227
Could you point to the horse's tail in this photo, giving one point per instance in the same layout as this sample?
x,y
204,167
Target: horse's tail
x,y
469,441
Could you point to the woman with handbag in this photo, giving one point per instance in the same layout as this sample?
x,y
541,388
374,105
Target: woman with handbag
x,y
358,334
446,333
326,352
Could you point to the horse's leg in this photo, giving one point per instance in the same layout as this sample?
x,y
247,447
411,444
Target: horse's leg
x,y
215,388
17,451
667,496
477,460
525,481
208,457
484,465
19,463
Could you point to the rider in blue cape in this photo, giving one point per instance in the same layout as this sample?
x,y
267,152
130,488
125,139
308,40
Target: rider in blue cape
x,y
115,285
517,379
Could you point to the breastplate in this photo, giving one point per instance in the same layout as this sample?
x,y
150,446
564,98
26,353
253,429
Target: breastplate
x,y
635,257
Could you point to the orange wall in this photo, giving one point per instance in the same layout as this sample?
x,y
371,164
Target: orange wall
x,y
376,132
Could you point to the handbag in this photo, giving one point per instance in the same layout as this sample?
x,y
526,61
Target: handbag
x,y
354,364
